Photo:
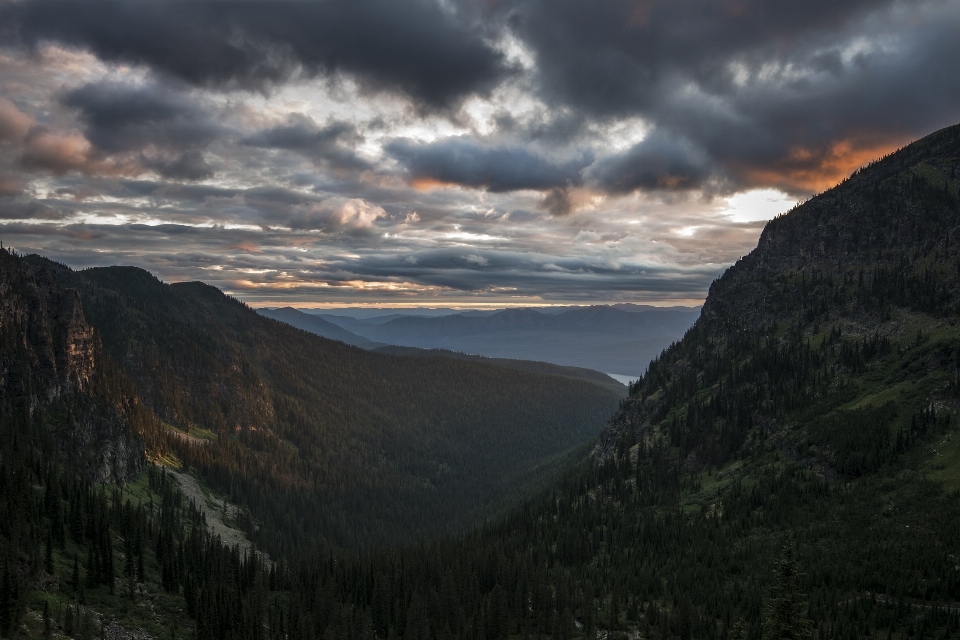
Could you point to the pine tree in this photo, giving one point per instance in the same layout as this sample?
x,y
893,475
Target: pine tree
x,y
738,631
786,611
48,555
75,577
47,626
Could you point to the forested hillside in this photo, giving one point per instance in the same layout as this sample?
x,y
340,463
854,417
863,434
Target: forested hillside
x,y
364,448
791,468
813,404
532,366
79,556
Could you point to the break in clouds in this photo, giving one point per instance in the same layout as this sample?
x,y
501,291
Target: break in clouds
x,y
449,152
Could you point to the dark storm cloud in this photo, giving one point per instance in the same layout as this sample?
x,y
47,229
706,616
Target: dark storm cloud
x,y
331,144
168,191
811,134
189,165
525,272
657,162
16,209
466,162
792,94
413,47
121,117
615,57
731,95
557,201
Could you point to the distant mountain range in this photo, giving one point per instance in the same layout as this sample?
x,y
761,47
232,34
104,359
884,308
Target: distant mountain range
x,y
619,339
319,326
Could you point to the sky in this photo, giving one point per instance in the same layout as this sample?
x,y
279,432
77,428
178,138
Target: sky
x,y
462,153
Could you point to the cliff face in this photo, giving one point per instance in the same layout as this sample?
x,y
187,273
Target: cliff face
x,y
52,370
48,345
175,344
833,285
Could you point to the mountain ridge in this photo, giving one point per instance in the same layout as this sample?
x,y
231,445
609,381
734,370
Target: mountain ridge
x,y
319,326
248,400
875,246
602,338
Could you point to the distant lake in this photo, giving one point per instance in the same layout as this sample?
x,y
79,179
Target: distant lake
x,y
623,379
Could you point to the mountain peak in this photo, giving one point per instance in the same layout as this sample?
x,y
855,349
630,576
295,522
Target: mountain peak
x,y
797,331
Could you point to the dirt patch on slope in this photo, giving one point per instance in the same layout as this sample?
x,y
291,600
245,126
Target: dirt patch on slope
x,y
214,509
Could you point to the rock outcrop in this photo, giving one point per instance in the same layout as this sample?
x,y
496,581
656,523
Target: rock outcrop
x,y
53,372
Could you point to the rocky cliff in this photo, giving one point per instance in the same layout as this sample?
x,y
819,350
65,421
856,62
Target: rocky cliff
x,y
53,373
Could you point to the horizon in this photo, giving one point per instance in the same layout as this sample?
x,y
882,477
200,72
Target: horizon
x,y
477,307
466,306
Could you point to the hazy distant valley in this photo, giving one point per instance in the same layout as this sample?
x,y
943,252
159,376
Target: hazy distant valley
x,y
618,339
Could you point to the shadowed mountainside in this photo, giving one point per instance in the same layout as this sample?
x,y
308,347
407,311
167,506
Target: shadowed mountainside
x,y
53,370
259,407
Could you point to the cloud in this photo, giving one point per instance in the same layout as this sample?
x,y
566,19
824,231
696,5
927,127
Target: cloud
x,y
416,48
189,165
558,202
335,215
13,209
523,274
163,126
14,124
580,137
124,117
616,57
10,186
331,250
330,145
466,162
793,95
658,162
479,261
61,152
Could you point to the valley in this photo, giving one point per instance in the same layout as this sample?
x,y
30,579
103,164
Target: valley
x,y
609,338
798,445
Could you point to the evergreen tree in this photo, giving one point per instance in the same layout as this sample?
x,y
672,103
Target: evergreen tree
x,y
47,626
738,631
786,611
48,555
75,576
